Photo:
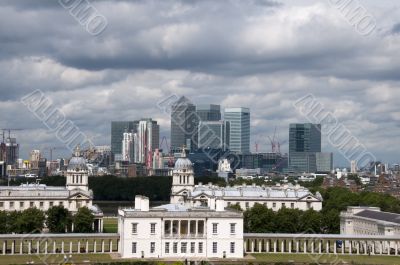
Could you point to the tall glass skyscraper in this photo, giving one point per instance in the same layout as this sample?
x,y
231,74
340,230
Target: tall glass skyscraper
x,y
209,112
239,136
214,135
304,144
184,124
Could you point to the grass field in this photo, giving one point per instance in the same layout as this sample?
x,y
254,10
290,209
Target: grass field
x,y
53,259
327,259
110,225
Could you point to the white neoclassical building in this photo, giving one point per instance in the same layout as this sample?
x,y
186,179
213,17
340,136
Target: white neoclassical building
x,y
179,231
74,195
275,197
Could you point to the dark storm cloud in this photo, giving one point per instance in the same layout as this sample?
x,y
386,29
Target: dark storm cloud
x,y
257,53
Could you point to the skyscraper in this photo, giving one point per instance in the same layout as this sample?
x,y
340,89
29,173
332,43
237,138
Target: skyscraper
x,y
209,112
214,134
146,140
239,136
117,134
127,146
184,124
305,149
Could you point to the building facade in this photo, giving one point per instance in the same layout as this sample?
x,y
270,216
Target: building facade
x,y
147,140
178,231
184,122
276,197
239,135
209,112
118,128
214,135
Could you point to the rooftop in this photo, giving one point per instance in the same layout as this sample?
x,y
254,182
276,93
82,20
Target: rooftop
x,y
381,216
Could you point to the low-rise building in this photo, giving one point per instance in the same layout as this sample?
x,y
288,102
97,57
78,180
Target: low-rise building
x,y
180,231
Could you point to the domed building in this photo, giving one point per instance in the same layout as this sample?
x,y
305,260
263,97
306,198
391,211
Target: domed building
x,y
182,179
74,195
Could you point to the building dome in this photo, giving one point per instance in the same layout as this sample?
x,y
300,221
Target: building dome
x,y
183,163
77,163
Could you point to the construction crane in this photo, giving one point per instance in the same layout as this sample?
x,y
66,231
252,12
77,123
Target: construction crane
x,y
9,132
275,143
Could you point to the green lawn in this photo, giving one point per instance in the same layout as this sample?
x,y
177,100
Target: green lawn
x,y
334,259
110,225
55,259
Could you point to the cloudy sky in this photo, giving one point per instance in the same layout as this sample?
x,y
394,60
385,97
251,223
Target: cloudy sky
x,y
260,54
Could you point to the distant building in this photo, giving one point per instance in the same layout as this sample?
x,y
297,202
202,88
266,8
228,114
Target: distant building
x,y
184,122
214,134
117,134
304,143
324,162
147,140
209,112
127,146
177,231
239,136
12,151
353,166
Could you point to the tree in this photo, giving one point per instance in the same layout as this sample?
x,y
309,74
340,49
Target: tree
x,y
83,221
58,219
235,207
3,222
287,220
310,222
30,220
259,219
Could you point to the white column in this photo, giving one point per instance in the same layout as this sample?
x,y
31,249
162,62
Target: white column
x,y
343,246
188,232
320,246
179,228
62,246
111,246
260,245
102,245
54,247
267,249
87,246
358,247
244,244
381,247
297,245
275,246
334,247
94,246
305,246
79,246
327,246
197,227
30,247
45,247
70,247
4,247
13,246
365,248
290,246
388,249
283,246
350,247
373,248
252,246
312,246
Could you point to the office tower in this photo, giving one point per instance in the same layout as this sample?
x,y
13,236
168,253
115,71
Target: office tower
x,y
184,124
117,134
146,140
324,162
34,158
304,143
12,151
213,134
239,136
127,146
208,112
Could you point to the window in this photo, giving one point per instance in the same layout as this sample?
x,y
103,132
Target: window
x,y
232,247
21,204
166,247
192,247
274,204
183,247
134,228
152,228
11,204
247,205
283,204
229,204
175,247
41,204
152,247
200,247
51,204
61,203
1,204
134,245
215,228
233,228
31,204
215,247
292,205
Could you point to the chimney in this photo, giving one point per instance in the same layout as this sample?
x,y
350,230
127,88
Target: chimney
x,y
212,203
141,203
219,205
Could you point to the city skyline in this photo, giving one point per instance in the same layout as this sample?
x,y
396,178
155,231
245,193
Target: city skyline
x,y
181,55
